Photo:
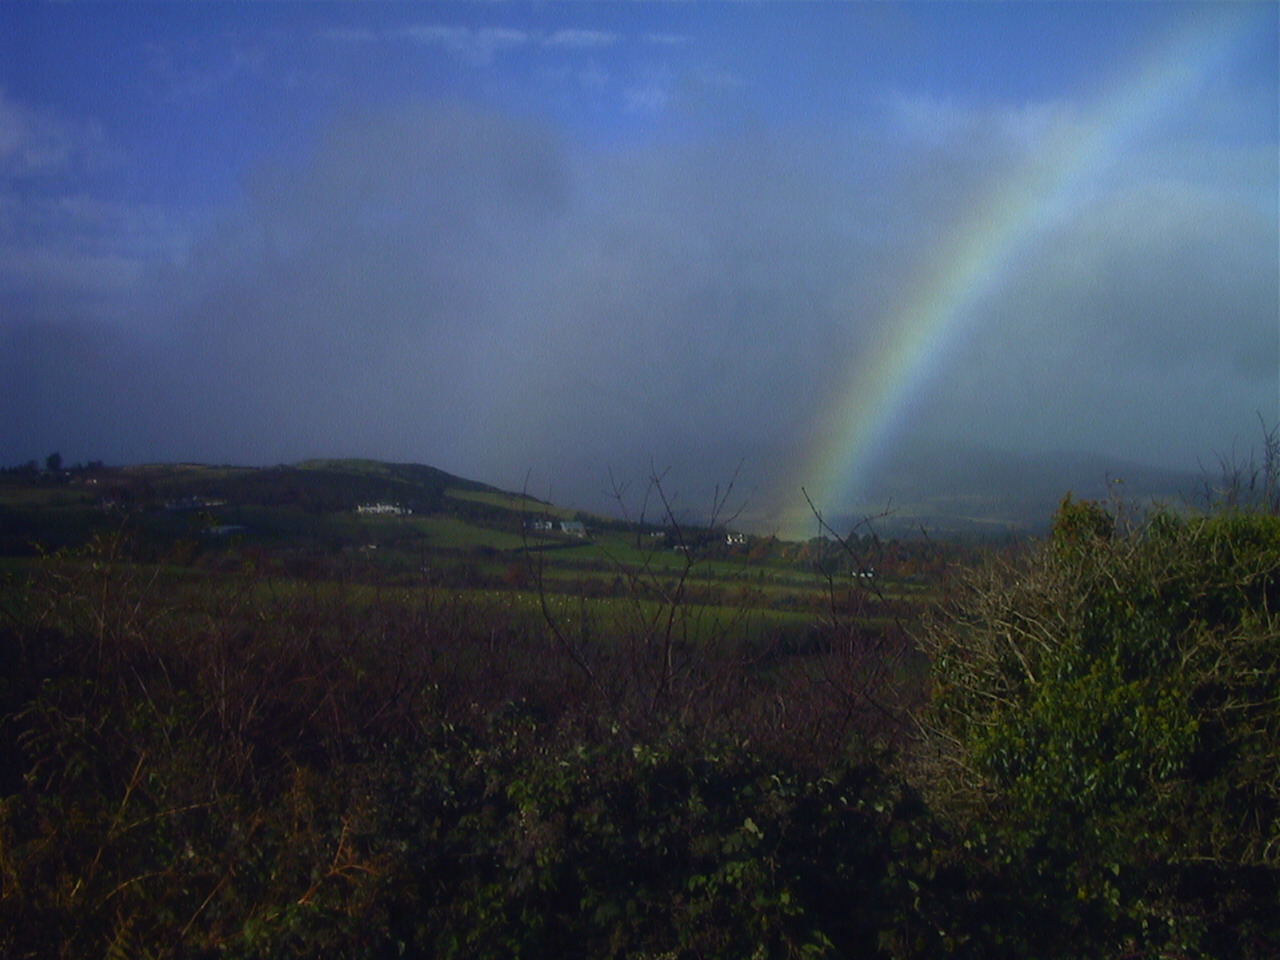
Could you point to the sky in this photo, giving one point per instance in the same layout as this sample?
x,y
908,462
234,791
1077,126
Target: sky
x,y
563,247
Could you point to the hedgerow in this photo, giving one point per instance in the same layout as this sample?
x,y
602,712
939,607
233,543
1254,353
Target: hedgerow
x,y
237,768
254,771
1106,717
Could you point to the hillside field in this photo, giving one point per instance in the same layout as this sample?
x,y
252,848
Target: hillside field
x,y
240,716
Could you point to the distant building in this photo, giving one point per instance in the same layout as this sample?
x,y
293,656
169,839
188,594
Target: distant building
x,y
573,528
383,509
193,503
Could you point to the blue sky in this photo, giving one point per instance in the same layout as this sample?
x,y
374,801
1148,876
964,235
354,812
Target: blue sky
x,y
555,239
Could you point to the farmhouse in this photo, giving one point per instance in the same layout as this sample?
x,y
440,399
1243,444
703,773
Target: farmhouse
x,y
573,528
383,509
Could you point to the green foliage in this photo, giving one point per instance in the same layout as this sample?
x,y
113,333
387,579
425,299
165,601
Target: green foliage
x,y
608,850
229,765
246,769
1109,709
1079,524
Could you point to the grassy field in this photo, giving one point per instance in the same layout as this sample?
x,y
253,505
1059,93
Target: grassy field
x,y
295,532
605,601
248,721
510,501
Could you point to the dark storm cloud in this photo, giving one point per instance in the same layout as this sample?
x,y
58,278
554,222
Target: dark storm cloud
x,y
81,387
343,301
450,285
460,286
1146,322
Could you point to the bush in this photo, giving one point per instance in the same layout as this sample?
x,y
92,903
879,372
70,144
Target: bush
x,y
238,768
667,847
1106,721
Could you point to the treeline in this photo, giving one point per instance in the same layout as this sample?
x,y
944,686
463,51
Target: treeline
x,y
53,469
1087,767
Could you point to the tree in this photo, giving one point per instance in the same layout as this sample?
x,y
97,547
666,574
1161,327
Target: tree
x,y
53,463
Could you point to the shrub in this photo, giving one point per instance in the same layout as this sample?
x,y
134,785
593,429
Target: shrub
x,y
1107,715
666,847
235,767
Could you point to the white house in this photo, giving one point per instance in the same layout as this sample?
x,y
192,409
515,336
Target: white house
x,y
385,509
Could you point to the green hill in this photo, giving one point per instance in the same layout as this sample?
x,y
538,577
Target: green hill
x,y
305,504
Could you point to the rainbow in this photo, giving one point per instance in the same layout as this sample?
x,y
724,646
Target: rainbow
x,y
863,413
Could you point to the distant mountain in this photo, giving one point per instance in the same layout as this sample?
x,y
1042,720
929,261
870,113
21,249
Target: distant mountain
x,y
985,492
942,492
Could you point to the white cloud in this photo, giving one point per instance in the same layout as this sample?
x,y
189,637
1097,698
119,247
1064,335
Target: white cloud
x,y
79,256
581,39
35,142
185,82
652,92
954,122
667,39
477,46
64,249
647,98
